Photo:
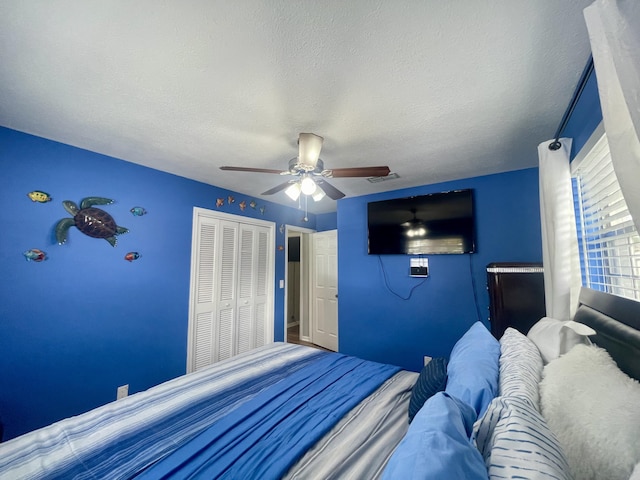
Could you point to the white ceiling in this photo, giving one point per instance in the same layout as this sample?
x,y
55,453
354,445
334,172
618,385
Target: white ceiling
x,y
436,90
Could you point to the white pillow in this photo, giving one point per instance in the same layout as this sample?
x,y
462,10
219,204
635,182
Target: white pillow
x,y
520,367
593,408
555,337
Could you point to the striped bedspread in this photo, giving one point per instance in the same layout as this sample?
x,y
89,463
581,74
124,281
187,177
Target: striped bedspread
x,y
265,436
124,438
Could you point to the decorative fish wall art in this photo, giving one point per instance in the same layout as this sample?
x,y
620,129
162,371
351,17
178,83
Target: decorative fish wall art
x,y
138,211
35,255
131,256
39,196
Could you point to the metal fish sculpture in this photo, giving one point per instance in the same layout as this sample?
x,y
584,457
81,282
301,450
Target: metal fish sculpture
x,y
230,199
35,255
253,204
243,205
40,197
131,256
138,211
219,202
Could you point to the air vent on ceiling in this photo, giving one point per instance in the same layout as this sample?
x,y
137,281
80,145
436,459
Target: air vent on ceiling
x,y
391,176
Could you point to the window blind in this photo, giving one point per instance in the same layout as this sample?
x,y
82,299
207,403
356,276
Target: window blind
x,y
610,245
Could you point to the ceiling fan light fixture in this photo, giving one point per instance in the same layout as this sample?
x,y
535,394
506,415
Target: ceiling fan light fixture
x,y
309,146
308,186
319,195
293,191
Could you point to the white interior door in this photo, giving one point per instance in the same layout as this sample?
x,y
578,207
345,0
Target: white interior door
x,y
324,289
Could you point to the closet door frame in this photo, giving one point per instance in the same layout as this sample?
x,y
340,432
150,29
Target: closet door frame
x,y
198,214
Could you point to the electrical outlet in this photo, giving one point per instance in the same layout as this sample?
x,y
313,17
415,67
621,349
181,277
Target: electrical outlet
x,y
427,359
123,391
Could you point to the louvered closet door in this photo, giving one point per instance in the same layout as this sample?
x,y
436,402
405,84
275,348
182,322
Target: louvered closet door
x,y
226,287
252,287
261,298
205,302
232,284
246,321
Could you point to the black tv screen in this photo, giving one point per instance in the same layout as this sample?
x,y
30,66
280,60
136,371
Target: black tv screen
x,y
437,223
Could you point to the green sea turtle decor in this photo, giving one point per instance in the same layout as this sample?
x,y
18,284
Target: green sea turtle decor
x,y
91,221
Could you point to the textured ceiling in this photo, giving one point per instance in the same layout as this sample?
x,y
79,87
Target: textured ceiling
x,y
435,90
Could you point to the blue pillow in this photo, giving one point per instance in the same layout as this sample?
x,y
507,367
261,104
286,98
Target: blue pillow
x,y
437,444
473,368
432,379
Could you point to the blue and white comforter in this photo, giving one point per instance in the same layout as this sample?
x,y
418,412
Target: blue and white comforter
x,y
126,438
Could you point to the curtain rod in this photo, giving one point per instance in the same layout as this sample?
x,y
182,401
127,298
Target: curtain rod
x,y
586,73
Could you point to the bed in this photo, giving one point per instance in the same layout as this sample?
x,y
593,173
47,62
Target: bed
x,y
288,411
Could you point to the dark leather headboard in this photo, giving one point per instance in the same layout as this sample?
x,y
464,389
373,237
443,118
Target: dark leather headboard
x,y
617,323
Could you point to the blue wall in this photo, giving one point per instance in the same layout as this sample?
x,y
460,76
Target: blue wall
x,y
76,326
326,221
376,324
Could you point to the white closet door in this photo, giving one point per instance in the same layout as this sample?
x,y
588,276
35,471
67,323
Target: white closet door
x,y
232,287
204,304
246,322
262,291
226,286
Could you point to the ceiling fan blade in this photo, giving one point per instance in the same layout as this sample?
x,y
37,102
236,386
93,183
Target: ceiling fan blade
x,y
276,189
249,169
331,191
357,172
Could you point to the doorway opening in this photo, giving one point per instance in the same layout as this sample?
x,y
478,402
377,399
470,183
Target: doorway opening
x,y
297,283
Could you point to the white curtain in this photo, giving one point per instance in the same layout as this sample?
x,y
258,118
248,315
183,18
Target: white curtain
x,y
614,31
559,238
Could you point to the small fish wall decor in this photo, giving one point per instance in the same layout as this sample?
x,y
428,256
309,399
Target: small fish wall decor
x,y
282,228
138,211
253,204
242,205
262,209
280,247
39,196
35,255
131,256
219,202
230,199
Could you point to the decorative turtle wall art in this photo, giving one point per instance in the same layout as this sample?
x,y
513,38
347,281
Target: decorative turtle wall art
x,y
91,221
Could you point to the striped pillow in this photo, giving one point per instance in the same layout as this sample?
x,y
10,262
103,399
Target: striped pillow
x,y
516,442
520,367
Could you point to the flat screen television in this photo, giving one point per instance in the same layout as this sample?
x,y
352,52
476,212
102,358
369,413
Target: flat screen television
x,y
437,223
